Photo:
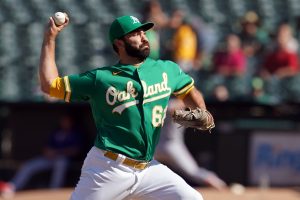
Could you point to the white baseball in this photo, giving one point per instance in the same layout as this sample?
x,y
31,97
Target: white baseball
x,y
237,189
59,18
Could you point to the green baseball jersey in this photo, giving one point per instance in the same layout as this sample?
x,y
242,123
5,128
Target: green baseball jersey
x,y
129,103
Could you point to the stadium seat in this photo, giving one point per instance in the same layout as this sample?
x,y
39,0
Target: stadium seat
x,y
9,39
10,90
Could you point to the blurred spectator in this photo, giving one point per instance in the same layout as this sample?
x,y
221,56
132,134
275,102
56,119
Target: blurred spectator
x,y
252,35
283,60
231,60
63,145
152,12
229,67
285,33
281,66
184,42
172,151
172,40
207,39
254,40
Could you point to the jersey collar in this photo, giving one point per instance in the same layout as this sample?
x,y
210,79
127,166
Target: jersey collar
x,y
120,65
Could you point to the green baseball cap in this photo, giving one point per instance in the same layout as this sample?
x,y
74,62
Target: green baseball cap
x,y
126,24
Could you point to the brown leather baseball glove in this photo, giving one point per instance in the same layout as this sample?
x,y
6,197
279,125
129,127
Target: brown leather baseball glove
x,y
198,118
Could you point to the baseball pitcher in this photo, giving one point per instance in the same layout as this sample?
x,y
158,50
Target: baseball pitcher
x,y
129,101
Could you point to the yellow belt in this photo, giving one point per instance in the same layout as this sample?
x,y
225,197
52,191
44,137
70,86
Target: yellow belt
x,y
127,161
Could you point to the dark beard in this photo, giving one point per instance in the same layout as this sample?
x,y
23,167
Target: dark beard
x,y
137,53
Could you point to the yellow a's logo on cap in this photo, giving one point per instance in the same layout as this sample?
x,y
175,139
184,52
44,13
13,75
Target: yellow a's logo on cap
x,y
134,20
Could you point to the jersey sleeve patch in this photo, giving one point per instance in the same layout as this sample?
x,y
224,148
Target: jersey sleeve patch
x,y
185,90
57,88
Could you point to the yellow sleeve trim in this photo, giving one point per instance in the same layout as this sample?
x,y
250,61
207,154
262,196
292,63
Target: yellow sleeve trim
x,y
184,90
182,96
57,88
67,89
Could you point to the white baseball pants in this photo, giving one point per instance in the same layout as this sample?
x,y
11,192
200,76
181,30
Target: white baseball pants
x,y
104,179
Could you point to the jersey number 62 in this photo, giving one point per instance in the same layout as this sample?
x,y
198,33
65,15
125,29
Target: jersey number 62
x,y
158,115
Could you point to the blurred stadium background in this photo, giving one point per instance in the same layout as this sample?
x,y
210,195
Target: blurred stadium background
x,y
256,141
84,44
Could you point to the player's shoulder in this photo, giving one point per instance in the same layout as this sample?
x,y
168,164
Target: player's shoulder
x,y
94,73
101,70
162,62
